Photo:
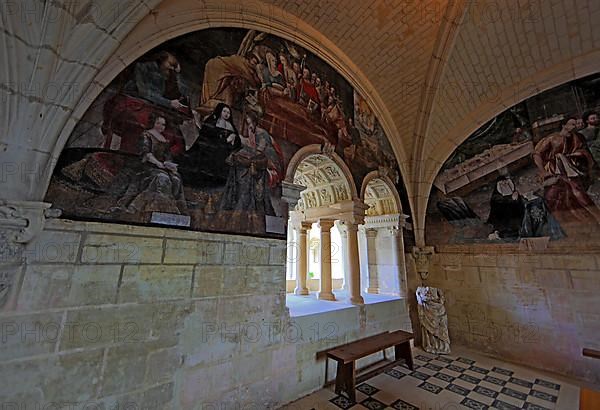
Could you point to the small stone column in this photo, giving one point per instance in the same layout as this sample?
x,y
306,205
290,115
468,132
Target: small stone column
x,y
372,260
302,265
354,265
399,258
326,281
344,235
292,249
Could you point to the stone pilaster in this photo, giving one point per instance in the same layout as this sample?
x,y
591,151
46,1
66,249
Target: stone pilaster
x,y
391,225
371,235
302,265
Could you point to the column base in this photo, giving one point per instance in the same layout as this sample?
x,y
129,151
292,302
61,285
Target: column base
x,y
301,292
357,300
372,290
326,296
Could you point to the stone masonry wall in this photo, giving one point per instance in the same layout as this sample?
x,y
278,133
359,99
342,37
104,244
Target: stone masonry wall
x,y
535,308
124,317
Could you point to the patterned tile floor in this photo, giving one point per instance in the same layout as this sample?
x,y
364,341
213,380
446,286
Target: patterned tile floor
x,y
461,380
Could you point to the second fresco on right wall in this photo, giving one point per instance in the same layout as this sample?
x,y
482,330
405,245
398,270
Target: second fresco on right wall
x,y
531,172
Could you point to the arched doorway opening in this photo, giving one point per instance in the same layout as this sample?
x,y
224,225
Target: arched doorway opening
x,y
326,185
384,267
323,226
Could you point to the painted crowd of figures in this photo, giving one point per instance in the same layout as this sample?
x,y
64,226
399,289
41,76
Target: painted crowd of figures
x,y
214,147
554,191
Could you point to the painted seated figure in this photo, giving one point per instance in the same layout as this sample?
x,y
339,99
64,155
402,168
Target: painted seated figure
x,y
158,185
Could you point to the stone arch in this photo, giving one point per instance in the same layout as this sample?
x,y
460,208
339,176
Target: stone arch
x,y
324,180
316,149
175,18
376,175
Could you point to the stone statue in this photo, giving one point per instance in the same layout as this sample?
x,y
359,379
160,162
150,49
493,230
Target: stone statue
x,y
434,321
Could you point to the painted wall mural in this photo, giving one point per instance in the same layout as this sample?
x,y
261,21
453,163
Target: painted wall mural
x,y
531,172
199,131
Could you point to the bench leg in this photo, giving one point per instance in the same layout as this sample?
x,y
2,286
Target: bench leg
x,y
403,351
345,380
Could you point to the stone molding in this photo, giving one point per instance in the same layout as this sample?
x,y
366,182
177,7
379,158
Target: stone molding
x,y
350,211
395,221
553,248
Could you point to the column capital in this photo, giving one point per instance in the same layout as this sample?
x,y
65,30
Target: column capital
x,y
325,224
341,228
348,226
393,231
305,226
295,218
371,232
353,212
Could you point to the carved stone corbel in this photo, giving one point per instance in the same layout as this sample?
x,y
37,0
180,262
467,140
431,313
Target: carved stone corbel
x,y
422,256
20,222
290,193
24,219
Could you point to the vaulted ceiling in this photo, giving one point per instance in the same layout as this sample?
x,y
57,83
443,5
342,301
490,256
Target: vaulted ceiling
x,y
432,70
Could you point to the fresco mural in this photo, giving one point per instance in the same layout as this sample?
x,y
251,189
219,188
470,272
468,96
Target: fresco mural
x,y
199,131
531,172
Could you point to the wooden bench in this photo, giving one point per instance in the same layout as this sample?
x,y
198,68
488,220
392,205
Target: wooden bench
x,y
588,398
345,355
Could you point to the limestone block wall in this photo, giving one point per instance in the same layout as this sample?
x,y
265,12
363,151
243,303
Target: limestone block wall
x,y
536,308
325,330
117,316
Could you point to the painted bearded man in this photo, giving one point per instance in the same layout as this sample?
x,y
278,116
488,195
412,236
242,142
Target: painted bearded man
x,y
565,164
